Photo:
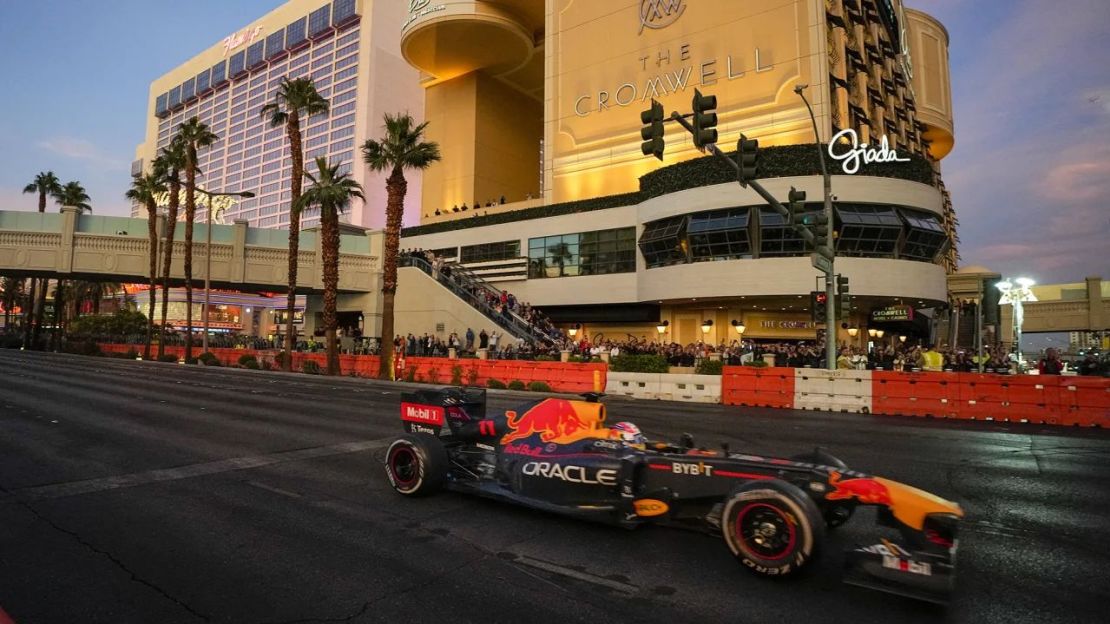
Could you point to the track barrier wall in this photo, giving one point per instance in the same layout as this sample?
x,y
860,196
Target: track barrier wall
x,y
1042,399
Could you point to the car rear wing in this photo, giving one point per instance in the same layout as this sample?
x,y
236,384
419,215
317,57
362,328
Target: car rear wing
x,y
427,411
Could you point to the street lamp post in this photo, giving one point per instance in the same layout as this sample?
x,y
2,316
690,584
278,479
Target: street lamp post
x,y
208,255
1017,295
830,288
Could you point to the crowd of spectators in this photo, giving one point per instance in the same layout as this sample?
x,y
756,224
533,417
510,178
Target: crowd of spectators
x,y
478,205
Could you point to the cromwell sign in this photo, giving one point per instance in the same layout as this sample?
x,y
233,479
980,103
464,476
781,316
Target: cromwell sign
x,y
657,14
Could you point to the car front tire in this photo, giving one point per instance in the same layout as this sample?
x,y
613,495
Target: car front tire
x,y
772,527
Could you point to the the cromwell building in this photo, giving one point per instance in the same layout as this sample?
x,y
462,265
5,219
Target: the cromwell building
x,y
349,48
538,101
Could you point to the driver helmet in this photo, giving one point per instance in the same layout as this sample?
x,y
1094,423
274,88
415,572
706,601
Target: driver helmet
x,y
628,433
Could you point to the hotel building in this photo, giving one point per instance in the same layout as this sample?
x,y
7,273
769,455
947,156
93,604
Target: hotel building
x,y
349,48
538,102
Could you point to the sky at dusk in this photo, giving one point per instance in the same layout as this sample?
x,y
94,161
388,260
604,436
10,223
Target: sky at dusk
x,y
1029,176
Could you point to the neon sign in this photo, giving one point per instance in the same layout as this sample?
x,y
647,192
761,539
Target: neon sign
x,y
861,153
234,40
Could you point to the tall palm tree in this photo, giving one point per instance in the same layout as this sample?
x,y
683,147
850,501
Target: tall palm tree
x,y
167,166
331,192
144,189
73,194
295,98
194,135
45,184
401,148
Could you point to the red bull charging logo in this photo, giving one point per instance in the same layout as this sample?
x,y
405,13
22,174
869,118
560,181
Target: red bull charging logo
x,y
556,420
865,490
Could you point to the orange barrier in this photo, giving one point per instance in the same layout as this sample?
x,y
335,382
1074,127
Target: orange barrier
x,y
757,387
914,394
1085,401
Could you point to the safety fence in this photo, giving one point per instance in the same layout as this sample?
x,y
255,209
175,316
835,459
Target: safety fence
x,y
1047,399
559,376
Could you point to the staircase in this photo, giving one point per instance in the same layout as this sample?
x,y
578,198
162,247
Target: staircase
x,y
472,289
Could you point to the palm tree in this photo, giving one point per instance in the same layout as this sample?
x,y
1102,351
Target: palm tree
x,y
167,166
72,194
193,135
331,192
45,183
294,99
401,148
560,255
144,189
11,297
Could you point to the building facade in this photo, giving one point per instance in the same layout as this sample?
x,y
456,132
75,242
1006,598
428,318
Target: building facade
x,y
349,48
536,103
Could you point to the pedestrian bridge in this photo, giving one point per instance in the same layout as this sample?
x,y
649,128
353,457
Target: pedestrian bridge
x,y
70,245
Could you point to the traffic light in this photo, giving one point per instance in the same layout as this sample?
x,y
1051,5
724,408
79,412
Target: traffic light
x,y
652,132
797,207
843,301
821,241
818,300
747,152
705,120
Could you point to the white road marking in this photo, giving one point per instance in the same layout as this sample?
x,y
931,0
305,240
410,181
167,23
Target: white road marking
x,y
74,488
624,588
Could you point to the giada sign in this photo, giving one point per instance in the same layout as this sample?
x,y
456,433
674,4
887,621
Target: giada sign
x,y
851,153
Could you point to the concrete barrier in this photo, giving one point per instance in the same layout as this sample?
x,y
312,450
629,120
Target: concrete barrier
x,y
833,390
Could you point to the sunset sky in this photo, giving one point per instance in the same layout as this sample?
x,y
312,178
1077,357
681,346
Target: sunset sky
x,y
1029,176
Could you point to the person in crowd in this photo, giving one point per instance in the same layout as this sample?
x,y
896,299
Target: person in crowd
x,y
1050,364
483,339
469,340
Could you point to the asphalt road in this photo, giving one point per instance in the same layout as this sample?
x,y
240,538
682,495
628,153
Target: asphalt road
x,y
150,493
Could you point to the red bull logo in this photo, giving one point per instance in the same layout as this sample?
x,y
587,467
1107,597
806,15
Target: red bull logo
x,y
556,420
865,490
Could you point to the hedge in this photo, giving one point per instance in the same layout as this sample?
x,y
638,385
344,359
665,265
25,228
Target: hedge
x,y
778,161
639,364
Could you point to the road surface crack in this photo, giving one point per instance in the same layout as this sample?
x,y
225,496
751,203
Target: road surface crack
x,y
100,551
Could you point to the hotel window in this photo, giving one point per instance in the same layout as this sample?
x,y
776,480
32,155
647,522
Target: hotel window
x,y
260,79
314,130
344,51
236,65
275,133
346,73
275,144
319,21
300,71
864,230
343,97
777,237
175,96
295,33
343,10
342,121
250,172
276,74
259,90
342,145
271,177
275,44
188,88
925,236
343,157
219,75
341,63
316,141
343,109
320,73
160,104
347,38
256,54
322,82
320,62
664,242
320,151
202,80
488,252
325,92
235,138
448,253
587,253
321,50
345,132
720,235
300,59
340,86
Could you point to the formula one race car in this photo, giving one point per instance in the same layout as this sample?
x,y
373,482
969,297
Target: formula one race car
x,y
557,455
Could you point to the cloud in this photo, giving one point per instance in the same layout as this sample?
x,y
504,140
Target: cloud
x,y
80,149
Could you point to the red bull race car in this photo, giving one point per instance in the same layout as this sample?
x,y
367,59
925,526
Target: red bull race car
x,y
558,455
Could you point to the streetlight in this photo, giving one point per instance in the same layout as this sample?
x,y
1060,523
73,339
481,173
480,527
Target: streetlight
x,y
853,331
662,328
573,331
739,327
208,252
706,326
1017,296
830,290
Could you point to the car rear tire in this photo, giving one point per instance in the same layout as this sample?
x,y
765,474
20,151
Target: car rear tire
x,y
416,465
772,527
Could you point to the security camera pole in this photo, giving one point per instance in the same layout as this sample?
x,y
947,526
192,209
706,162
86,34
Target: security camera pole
x,y
814,229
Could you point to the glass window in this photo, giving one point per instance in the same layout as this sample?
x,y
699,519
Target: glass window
x,y
300,71
320,62
346,84
343,109
202,80
720,235
160,105
343,97
449,253
488,252
342,121
256,54
237,64
345,50
175,97
925,235
341,63
867,230
587,253
219,75
342,145
319,21
321,50
295,33
663,242
777,238
275,44
342,12
345,132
